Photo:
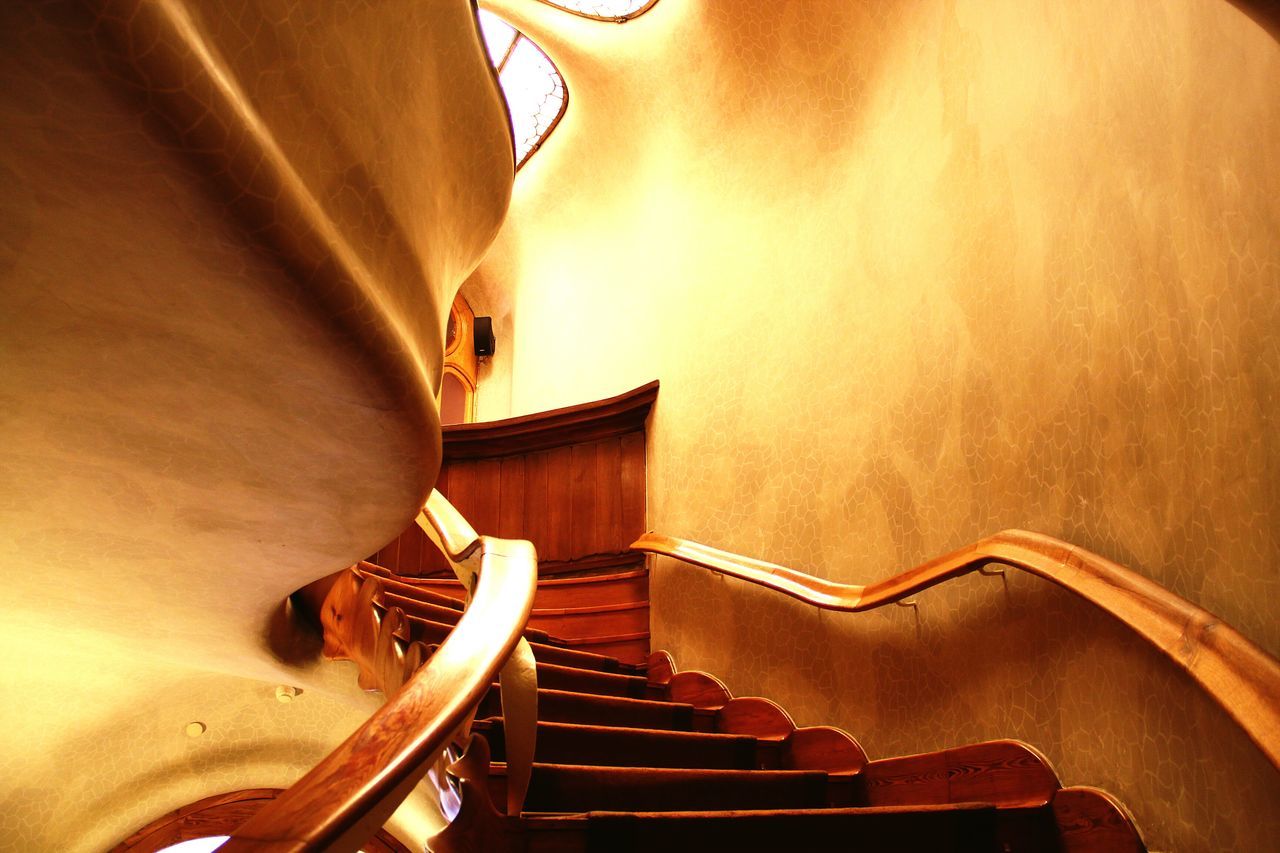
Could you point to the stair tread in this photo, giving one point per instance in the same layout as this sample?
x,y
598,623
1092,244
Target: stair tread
x,y
601,699
595,682
567,706
622,731
575,787
957,828
731,774
843,811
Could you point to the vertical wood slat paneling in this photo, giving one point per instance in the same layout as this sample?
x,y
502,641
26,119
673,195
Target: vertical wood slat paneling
x,y
535,502
410,557
486,500
511,498
463,488
559,541
571,502
433,562
633,486
572,481
607,523
583,496
391,552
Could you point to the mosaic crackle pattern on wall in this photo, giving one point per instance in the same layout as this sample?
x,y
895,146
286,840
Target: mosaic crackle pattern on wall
x,y
226,233
912,273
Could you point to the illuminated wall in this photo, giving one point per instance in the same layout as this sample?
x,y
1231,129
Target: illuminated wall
x,y
93,740
911,273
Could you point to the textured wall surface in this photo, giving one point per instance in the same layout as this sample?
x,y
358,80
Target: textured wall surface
x,y
226,231
126,759
911,273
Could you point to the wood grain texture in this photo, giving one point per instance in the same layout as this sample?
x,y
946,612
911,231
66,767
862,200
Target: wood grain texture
x,y
572,481
1092,821
558,544
578,424
220,815
1002,772
1242,678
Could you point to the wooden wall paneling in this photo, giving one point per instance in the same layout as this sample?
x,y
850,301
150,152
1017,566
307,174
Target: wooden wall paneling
x,y
557,428
572,481
484,516
409,561
511,498
442,479
608,507
463,489
581,513
633,486
535,502
433,562
559,545
389,554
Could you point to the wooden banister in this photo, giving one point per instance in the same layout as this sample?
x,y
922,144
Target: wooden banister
x,y
349,795
1242,678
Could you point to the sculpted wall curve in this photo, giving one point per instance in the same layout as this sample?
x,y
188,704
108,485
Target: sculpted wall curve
x,y
229,236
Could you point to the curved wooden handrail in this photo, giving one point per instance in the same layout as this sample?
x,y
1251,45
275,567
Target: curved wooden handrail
x,y
1242,678
351,793
457,537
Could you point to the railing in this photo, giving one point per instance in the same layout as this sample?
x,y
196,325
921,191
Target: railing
x,y
349,795
1242,678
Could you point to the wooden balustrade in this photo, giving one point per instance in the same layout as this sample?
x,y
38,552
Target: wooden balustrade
x,y
1242,678
349,795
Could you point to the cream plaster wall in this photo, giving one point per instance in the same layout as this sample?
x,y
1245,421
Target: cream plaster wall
x,y
226,229
93,747
911,273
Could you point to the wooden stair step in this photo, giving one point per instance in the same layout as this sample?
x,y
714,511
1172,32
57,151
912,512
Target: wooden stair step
x,y
434,633
585,590
563,656
552,592
420,592
616,746
586,624
556,677
443,616
585,788
630,648
960,828
596,620
563,706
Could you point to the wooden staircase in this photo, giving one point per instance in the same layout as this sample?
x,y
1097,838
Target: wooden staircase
x,y
637,755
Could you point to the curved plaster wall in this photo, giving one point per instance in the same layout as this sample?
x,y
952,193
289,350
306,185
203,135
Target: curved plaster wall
x,y
911,273
227,233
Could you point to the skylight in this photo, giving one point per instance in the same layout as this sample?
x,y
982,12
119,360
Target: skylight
x,y
604,10
534,89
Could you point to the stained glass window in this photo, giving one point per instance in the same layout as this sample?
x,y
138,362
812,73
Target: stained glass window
x,y
534,89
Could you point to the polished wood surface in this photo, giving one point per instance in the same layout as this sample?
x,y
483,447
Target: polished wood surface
x,y
718,767
585,422
1092,821
1239,676
343,801
1003,772
572,481
606,613
221,814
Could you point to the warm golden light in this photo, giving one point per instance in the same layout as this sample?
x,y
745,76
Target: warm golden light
x,y
534,89
910,274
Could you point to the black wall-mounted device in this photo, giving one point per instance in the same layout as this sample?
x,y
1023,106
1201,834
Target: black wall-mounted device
x,y
484,342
